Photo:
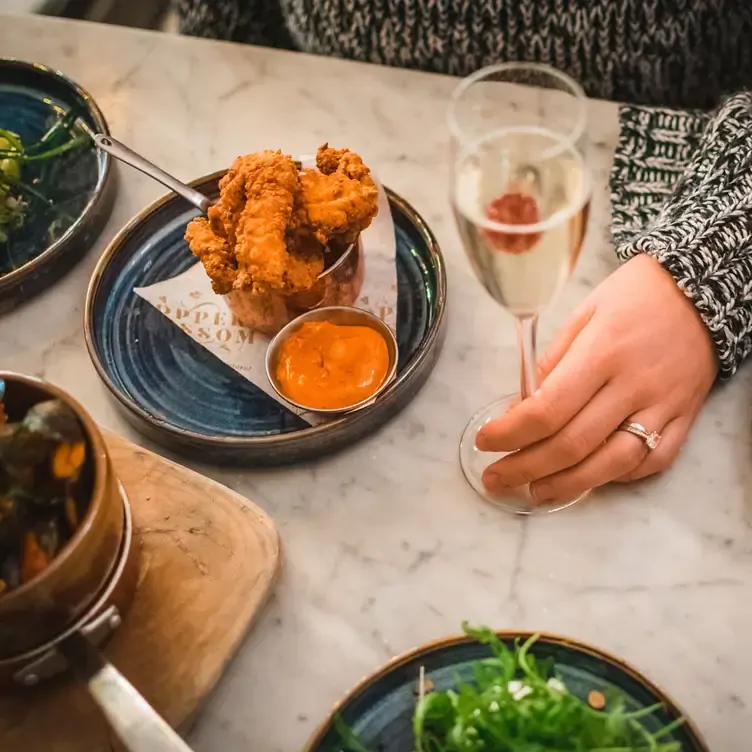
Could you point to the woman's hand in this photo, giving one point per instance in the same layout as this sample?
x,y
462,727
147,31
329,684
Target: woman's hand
x,y
636,350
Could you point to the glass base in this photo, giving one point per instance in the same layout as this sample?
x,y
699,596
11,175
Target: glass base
x,y
474,462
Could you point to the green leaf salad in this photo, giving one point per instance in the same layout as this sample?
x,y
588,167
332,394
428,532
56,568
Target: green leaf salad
x,y
517,703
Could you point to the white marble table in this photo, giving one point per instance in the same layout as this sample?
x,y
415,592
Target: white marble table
x,y
386,545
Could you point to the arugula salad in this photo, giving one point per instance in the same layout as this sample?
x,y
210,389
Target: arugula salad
x,y
517,703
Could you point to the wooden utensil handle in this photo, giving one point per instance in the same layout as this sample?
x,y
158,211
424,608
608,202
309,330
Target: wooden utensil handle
x,y
138,726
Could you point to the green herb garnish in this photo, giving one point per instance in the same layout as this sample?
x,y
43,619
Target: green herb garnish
x,y
17,198
517,703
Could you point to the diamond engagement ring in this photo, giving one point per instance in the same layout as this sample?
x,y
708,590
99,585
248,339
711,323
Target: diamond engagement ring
x,y
651,438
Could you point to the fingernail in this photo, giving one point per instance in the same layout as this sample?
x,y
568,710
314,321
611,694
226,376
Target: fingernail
x,y
540,494
481,443
493,482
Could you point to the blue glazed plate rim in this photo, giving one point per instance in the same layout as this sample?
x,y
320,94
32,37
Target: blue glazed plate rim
x,y
10,279
431,340
447,643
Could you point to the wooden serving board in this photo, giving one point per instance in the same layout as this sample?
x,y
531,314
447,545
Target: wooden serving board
x,y
209,559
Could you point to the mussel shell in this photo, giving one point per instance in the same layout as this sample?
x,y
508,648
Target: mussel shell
x,y
21,450
55,421
49,536
10,570
32,498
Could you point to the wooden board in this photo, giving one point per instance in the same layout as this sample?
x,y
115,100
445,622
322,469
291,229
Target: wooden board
x,y
209,559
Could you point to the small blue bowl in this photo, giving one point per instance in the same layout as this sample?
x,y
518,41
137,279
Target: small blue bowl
x,y
379,711
31,95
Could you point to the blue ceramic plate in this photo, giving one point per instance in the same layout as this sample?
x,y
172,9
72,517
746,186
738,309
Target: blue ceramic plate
x,y
32,98
182,396
380,709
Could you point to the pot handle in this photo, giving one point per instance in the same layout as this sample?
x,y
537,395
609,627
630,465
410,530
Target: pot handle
x,y
138,726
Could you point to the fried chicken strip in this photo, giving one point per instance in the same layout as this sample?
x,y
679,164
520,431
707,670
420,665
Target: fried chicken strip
x,y
270,227
341,198
270,183
215,252
244,242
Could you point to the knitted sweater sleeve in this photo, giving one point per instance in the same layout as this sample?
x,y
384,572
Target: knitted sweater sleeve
x,y
681,190
252,21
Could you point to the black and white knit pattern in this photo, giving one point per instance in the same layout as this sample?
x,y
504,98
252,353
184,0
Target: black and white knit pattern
x,y
682,192
667,52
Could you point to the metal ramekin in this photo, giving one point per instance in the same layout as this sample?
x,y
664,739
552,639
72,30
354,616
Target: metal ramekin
x,y
343,316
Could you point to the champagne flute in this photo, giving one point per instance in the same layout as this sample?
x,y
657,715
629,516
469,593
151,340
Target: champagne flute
x,y
520,193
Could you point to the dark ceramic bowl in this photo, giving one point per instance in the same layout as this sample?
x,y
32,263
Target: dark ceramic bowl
x,y
30,95
47,605
380,709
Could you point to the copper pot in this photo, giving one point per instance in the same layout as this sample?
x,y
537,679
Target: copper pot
x,y
338,285
55,621
98,624
45,607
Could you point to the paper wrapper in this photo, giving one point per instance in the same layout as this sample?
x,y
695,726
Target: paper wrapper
x,y
190,303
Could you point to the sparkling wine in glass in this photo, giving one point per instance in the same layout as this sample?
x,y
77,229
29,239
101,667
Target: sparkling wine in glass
x,y
520,194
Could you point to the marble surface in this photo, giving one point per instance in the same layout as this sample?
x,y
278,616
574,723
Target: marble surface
x,y
386,545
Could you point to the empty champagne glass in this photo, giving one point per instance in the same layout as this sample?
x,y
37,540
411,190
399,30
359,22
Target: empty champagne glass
x,y
520,193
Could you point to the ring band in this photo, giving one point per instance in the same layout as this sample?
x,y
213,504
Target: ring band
x,y
651,438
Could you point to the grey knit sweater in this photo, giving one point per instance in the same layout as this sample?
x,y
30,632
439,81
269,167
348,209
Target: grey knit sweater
x,y
682,181
667,52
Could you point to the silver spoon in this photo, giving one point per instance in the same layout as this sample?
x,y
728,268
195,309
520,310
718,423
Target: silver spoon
x,y
124,154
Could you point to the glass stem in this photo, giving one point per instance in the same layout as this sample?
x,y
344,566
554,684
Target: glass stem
x,y
527,331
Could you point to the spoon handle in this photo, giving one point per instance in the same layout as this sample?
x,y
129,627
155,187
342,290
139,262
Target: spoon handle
x,y
124,154
137,725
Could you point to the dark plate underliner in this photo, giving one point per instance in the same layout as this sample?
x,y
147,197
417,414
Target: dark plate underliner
x,y
182,396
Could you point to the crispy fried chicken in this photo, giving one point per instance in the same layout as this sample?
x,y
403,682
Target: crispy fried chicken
x,y
340,197
270,228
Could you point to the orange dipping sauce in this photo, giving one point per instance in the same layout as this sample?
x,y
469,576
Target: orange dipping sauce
x,y
328,366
